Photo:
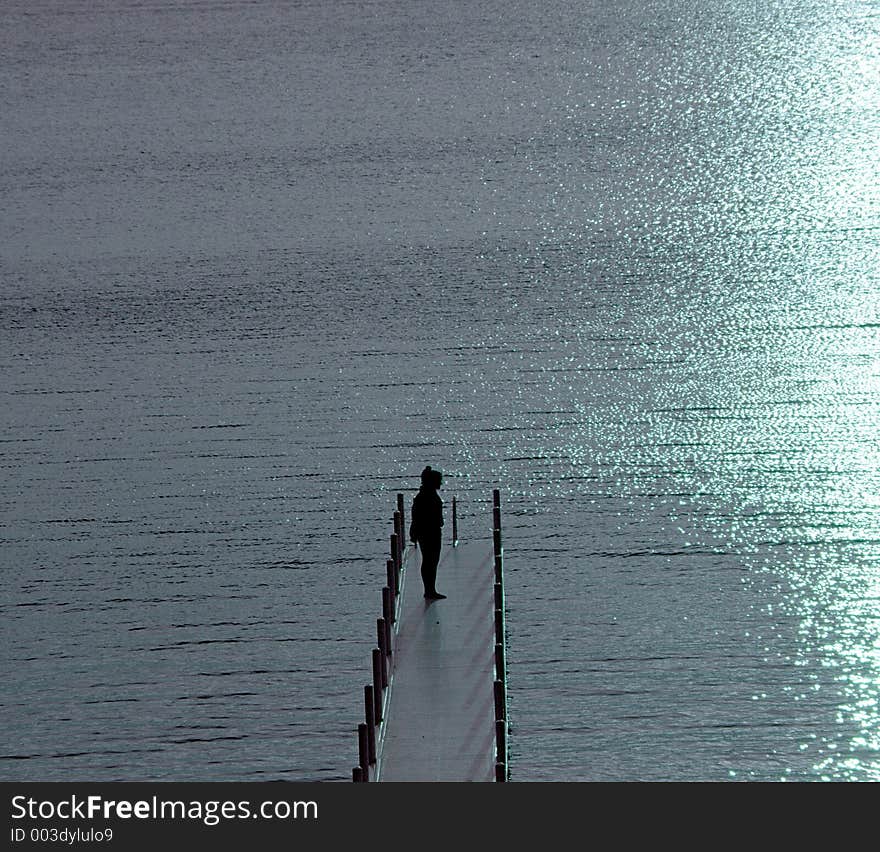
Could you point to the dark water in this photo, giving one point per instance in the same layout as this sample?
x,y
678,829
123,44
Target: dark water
x,y
263,261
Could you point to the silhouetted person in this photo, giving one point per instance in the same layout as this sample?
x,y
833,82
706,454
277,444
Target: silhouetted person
x,y
426,528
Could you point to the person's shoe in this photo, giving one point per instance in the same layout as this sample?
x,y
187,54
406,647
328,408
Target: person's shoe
x,y
434,596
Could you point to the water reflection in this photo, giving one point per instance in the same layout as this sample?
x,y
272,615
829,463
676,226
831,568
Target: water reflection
x,y
733,349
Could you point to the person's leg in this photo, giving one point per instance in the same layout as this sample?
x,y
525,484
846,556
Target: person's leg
x,y
430,559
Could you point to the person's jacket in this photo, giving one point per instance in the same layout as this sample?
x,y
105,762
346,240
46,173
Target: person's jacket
x,y
427,515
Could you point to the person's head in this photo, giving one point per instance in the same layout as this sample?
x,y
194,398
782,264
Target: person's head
x,y
431,478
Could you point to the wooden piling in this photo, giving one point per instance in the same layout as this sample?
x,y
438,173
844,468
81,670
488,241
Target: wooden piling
x,y
398,530
500,701
364,749
380,661
377,685
381,636
391,577
395,552
386,628
388,609
370,715
501,741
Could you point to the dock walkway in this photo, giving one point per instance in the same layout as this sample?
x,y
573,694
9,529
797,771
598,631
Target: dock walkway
x,y
436,709
440,705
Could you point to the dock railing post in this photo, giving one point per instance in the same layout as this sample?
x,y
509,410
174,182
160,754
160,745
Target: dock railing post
x,y
383,631
499,615
501,747
402,513
387,605
380,662
377,685
500,664
391,577
454,522
364,751
395,552
382,637
499,626
398,531
370,715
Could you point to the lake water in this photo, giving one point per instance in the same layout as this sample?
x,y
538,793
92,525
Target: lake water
x,y
263,261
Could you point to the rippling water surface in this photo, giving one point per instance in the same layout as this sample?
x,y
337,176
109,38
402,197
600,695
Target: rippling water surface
x,y
263,261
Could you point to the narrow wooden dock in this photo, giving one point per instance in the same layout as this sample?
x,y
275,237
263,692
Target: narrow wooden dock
x,y
440,716
436,709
